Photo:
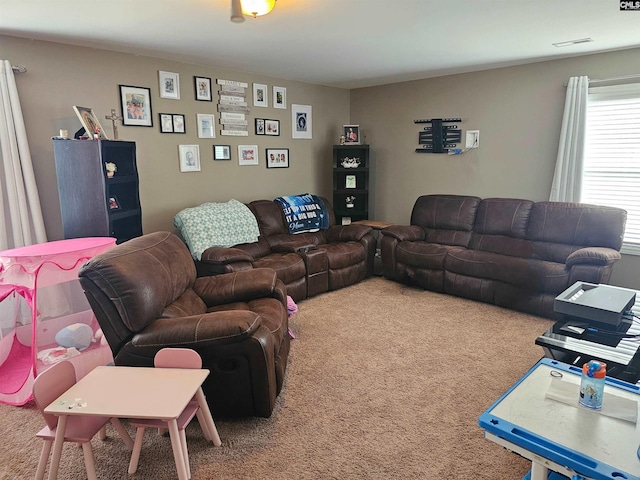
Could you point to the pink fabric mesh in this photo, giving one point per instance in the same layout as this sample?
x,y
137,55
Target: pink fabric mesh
x,y
48,270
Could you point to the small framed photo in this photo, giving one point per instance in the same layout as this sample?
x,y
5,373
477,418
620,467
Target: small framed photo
x,y
222,152
178,123
272,127
279,97
301,121
277,158
350,181
166,123
113,203
90,122
136,106
169,85
259,126
352,134
203,89
248,154
206,126
260,95
189,158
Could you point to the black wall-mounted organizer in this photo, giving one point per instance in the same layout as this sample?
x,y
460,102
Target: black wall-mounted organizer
x,y
440,136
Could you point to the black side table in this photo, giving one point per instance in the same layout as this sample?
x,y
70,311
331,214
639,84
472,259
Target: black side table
x,y
622,355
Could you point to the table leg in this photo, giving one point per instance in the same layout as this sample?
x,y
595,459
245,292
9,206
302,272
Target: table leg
x,y
176,445
204,407
538,471
57,446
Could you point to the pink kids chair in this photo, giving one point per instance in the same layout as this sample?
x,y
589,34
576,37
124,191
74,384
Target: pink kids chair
x,y
174,358
48,386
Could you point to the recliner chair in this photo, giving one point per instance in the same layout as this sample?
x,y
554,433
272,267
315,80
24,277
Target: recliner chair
x,y
146,297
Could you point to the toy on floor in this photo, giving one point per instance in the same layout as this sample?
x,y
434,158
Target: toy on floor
x,y
291,309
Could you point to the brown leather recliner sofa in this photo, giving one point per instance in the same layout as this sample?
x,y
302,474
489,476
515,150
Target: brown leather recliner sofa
x,y
146,296
308,263
509,252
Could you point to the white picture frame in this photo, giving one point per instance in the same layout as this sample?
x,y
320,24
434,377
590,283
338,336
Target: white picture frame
x,y
260,95
169,85
280,97
206,125
301,122
248,155
189,158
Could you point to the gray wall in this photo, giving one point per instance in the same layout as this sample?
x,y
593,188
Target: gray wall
x,y
60,76
518,111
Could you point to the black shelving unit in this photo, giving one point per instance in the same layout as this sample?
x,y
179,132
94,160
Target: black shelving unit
x,y
350,182
92,203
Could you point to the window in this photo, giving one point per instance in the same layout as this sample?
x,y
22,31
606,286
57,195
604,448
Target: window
x,y
611,174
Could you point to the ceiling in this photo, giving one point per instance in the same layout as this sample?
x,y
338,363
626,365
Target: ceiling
x,y
341,43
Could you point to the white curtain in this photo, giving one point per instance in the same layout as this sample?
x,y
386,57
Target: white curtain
x,y
567,179
21,220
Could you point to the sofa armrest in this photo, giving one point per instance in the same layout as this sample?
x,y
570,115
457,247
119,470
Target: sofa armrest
x,y
404,233
600,256
240,287
347,233
293,247
225,255
215,328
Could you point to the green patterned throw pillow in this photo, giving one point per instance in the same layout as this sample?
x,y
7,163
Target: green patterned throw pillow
x,y
216,225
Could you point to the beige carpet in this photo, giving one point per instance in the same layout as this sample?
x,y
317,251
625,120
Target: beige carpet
x,y
384,382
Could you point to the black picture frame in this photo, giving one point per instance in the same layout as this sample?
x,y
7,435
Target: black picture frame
x,y
277,157
202,88
179,125
222,152
259,126
272,127
135,103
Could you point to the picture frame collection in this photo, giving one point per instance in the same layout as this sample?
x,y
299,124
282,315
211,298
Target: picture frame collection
x,y
136,108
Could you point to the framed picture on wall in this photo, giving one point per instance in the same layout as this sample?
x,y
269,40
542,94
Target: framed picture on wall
x,y
301,121
259,126
189,158
248,154
203,89
260,95
222,152
206,126
136,106
272,127
277,158
166,123
178,123
279,97
169,84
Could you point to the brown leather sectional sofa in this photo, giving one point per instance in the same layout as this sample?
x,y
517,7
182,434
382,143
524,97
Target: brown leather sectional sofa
x,y
509,252
307,263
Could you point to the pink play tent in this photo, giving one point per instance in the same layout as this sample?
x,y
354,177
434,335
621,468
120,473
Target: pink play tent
x,y
40,296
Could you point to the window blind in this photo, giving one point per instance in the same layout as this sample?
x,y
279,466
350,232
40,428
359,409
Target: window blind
x,y
611,171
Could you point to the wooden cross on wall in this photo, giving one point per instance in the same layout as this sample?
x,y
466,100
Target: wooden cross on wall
x,y
114,119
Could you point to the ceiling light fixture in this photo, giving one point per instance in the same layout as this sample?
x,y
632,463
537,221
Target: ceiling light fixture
x,y
572,42
253,8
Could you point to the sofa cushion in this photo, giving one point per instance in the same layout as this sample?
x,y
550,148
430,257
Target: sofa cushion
x,y
526,273
503,216
577,224
344,254
448,212
216,225
288,266
423,254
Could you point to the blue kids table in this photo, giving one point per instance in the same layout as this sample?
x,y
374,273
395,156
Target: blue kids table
x,y
566,438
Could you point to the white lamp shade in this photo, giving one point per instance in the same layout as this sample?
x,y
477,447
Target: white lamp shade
x,y
256,8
